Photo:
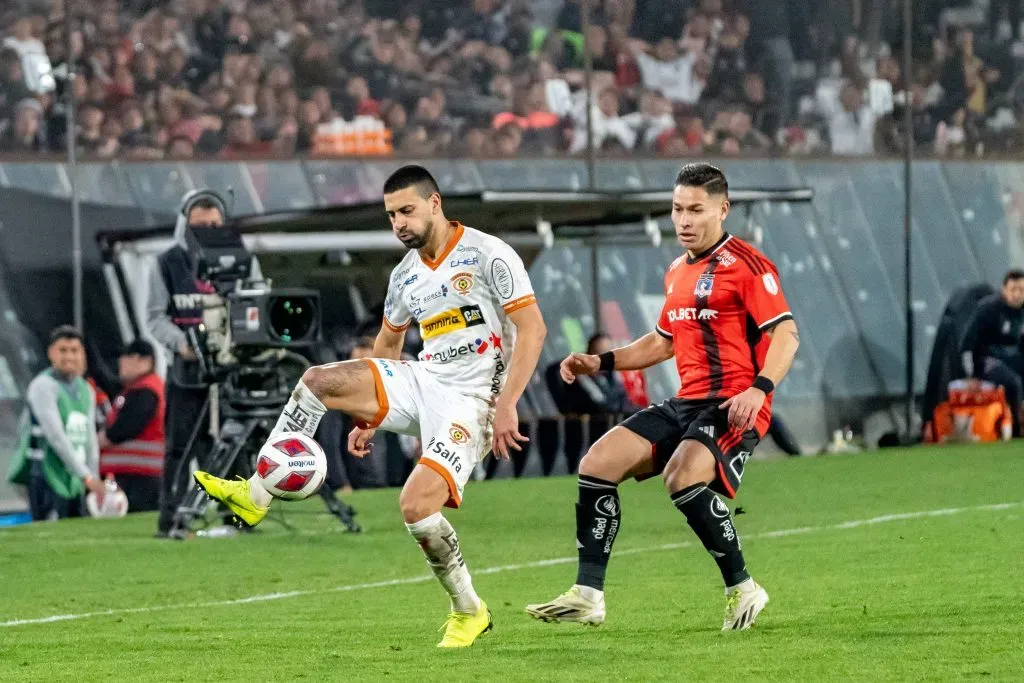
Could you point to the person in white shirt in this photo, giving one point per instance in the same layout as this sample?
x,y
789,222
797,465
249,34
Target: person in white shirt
x,y
606,123
851,123
482,332
669,72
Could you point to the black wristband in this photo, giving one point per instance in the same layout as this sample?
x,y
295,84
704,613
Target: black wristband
x,y
764,384
607,361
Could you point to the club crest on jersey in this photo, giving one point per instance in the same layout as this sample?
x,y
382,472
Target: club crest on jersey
x,y
459,434
462,282
704,284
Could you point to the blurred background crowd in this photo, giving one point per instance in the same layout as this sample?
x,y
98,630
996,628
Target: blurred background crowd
x,y
182,79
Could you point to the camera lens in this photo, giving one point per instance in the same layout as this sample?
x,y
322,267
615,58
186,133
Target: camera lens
x,y
291,318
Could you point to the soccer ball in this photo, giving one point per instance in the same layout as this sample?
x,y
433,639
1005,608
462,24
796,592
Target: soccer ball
x,y
291,466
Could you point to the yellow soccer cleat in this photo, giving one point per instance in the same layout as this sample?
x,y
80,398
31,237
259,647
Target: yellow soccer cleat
x,y
462,629
234,494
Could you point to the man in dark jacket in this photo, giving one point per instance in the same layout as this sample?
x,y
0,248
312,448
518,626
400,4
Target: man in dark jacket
x,y
175,305
991,347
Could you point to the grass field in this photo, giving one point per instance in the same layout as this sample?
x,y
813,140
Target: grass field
x,y
901,565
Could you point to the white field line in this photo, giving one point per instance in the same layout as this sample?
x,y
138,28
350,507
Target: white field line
x,y
423,578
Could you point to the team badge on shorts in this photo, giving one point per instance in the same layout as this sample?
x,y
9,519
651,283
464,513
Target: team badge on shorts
x,y
704,283
459,434
462,282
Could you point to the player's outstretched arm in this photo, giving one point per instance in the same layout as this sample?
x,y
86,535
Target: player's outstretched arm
x,y
389,343
648,350
530,334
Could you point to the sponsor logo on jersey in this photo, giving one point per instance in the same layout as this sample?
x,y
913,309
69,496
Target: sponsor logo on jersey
x,y
439,294
501,277
411,279
692,314
704,284
462,282
455,263
386,367
451,320
459,434
450,353
725,258
770,284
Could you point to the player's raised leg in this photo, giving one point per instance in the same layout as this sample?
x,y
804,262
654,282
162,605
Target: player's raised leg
x,y
618,455
424,494
353,387
687,476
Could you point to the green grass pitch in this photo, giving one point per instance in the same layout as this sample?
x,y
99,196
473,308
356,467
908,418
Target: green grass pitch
x,y
897,565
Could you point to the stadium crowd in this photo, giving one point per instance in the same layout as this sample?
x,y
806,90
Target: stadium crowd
x,y
182,79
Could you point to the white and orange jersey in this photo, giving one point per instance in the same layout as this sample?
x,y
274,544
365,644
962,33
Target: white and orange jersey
x,y
461,302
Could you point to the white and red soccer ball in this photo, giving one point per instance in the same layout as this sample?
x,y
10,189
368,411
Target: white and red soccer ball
x,y
291,466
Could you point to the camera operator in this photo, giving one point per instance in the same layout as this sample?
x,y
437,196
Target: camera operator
x,y
177,300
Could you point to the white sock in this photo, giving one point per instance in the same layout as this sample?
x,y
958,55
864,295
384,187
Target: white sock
x,y
441,546
590,593
302,413
258,493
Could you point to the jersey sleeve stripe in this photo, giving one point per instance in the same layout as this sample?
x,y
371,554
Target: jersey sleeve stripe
x,y
396,328
663,333
754,261
521,302
775,321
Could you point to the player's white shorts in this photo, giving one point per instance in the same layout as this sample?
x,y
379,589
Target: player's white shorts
x,y
455,429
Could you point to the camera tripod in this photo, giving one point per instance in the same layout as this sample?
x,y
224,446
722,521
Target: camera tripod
x,y
244,425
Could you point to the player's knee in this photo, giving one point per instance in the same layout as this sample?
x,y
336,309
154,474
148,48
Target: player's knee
x,y
316,380
413,507
598,462
687,467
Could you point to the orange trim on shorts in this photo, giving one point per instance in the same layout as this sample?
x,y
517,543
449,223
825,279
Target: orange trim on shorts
x,y
454,500
452,241
391,327
382,398
521,302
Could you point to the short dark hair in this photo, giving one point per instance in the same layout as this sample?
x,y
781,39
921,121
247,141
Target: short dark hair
x,y
703,175
1015,274
206,203
412,176
62,332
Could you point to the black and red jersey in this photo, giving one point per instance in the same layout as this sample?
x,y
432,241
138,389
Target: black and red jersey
x,y
717,307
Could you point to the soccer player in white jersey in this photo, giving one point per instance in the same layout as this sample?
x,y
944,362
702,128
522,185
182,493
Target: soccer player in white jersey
x,y
482,332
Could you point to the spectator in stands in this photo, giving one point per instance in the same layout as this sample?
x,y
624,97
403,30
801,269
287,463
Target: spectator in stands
x,y
57,459
851,123
606,124
992,346
675,75
652,118
26,133
132,442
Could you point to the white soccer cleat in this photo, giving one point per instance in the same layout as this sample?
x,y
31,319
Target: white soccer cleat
x,y
570,606
742,605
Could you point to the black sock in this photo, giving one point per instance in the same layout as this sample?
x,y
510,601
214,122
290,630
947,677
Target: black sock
x,y
709,518
597,522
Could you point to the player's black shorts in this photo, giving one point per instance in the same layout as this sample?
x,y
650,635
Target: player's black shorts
x,y
670,422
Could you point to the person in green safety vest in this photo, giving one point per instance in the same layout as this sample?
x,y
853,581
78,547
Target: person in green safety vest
x,y
59,452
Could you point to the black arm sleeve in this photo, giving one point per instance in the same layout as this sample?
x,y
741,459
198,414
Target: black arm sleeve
x,y
138,409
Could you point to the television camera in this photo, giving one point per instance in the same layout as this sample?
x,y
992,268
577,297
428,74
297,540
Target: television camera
x,y
246,352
